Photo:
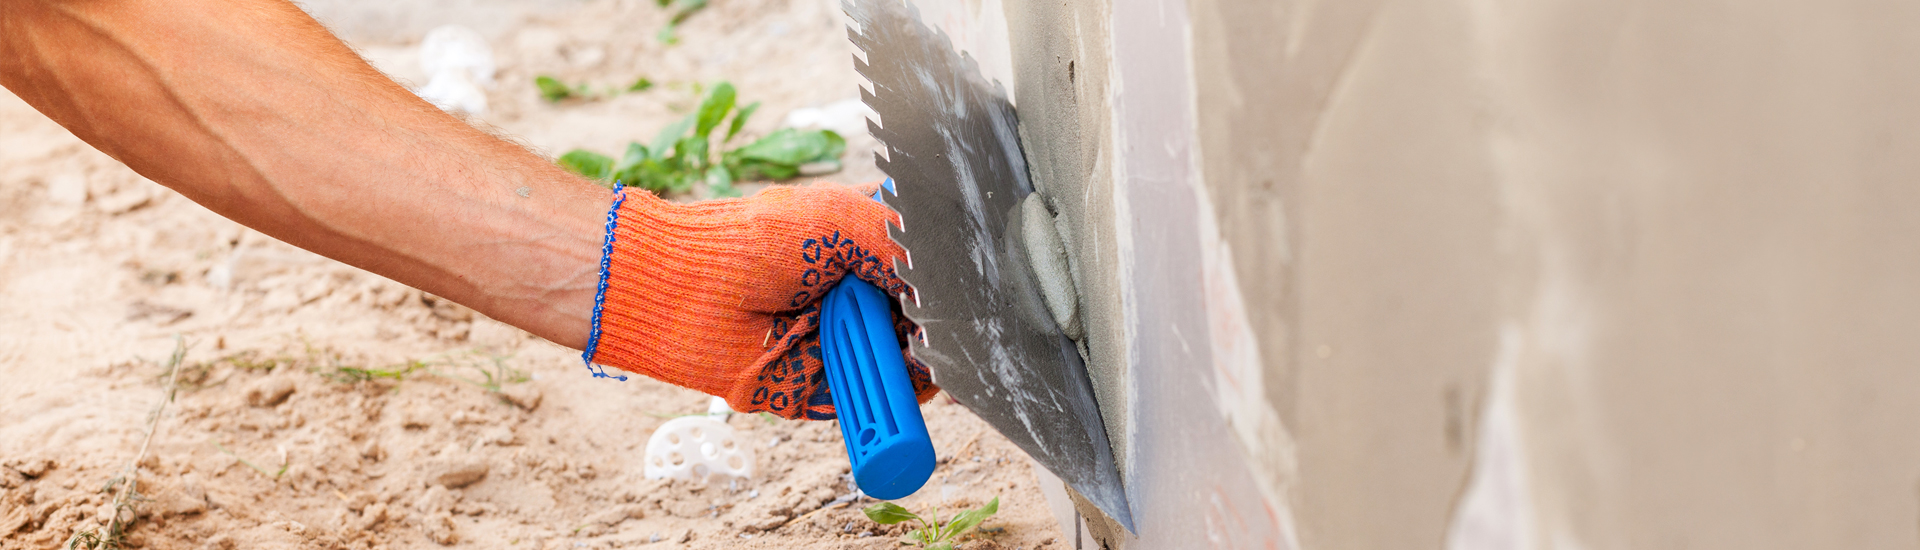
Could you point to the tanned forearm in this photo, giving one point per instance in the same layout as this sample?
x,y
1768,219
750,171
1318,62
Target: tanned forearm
x,y
254,110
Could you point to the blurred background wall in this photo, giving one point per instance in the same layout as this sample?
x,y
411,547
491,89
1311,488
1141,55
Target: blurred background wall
x,y
1587,274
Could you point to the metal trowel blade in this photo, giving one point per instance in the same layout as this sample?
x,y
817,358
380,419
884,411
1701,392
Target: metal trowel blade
x,y
953,151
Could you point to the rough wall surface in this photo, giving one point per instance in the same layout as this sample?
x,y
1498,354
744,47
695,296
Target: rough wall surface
x,y
1376,299
1671,230
1066,128
1706,268
1589,274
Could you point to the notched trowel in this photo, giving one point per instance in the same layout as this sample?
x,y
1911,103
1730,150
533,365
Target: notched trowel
x,y
953,151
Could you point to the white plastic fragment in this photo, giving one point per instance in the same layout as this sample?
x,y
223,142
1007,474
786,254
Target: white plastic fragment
x,y
718,408
459,64
697,448
847,117
452,92
457,48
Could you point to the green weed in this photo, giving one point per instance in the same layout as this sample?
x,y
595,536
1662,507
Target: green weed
x,y
681,155
199,375
555,91
126,485
932,533
351,375
682,9
485,371
552,90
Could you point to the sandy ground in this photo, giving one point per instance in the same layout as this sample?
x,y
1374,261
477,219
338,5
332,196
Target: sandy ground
x,y
494,439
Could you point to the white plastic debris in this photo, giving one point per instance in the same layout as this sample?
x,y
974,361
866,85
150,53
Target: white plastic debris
x,y
718,408
697,448
457,48
847,117
452,92
459,64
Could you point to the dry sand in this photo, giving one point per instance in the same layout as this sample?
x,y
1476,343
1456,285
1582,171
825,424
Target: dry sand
x,y
268,446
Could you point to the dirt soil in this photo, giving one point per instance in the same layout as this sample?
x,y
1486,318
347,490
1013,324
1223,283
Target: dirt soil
x,y
320,406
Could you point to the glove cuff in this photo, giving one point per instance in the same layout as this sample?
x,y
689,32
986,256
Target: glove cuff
x,y
668,302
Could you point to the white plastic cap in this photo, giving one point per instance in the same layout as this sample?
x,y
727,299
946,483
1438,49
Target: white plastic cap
x,y
697,448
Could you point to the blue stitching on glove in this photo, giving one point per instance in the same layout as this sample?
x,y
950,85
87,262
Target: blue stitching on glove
x,y
600,296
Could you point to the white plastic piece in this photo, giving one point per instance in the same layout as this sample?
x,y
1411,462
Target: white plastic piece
x,y
718,408
847,117
452,92
457,48
697,448
459,64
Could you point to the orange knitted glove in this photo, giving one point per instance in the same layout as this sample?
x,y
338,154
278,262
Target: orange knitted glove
x,y
723,296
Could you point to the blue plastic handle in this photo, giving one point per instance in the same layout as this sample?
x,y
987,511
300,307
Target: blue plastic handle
x,y
880,419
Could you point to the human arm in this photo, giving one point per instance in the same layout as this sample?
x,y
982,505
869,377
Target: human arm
x,y
256,111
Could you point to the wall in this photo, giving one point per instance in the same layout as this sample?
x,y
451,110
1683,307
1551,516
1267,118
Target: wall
x,y
1590,274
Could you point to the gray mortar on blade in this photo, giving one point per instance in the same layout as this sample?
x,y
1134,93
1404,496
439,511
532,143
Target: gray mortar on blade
x,y
1047,258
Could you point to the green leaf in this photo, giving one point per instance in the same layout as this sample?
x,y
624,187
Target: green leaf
x,y
969,519
686,8
640,85
669,135
714,109
626,170
636,154
691,152
942,545
740,120
748,169
667,35
586,163
654,176
836,146
720,182
887,513
681,181
551,89
793,147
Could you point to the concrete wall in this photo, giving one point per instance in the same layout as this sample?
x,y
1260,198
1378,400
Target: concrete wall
x,y
1480,274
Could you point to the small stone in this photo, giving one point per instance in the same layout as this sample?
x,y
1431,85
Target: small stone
x,y
766,523
418,417
613,516
12,521
445,309
125,201
457,473
10,478
268,392
33,467
523,396
67,189
372,516
498,435
440,528
181,501
434,500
